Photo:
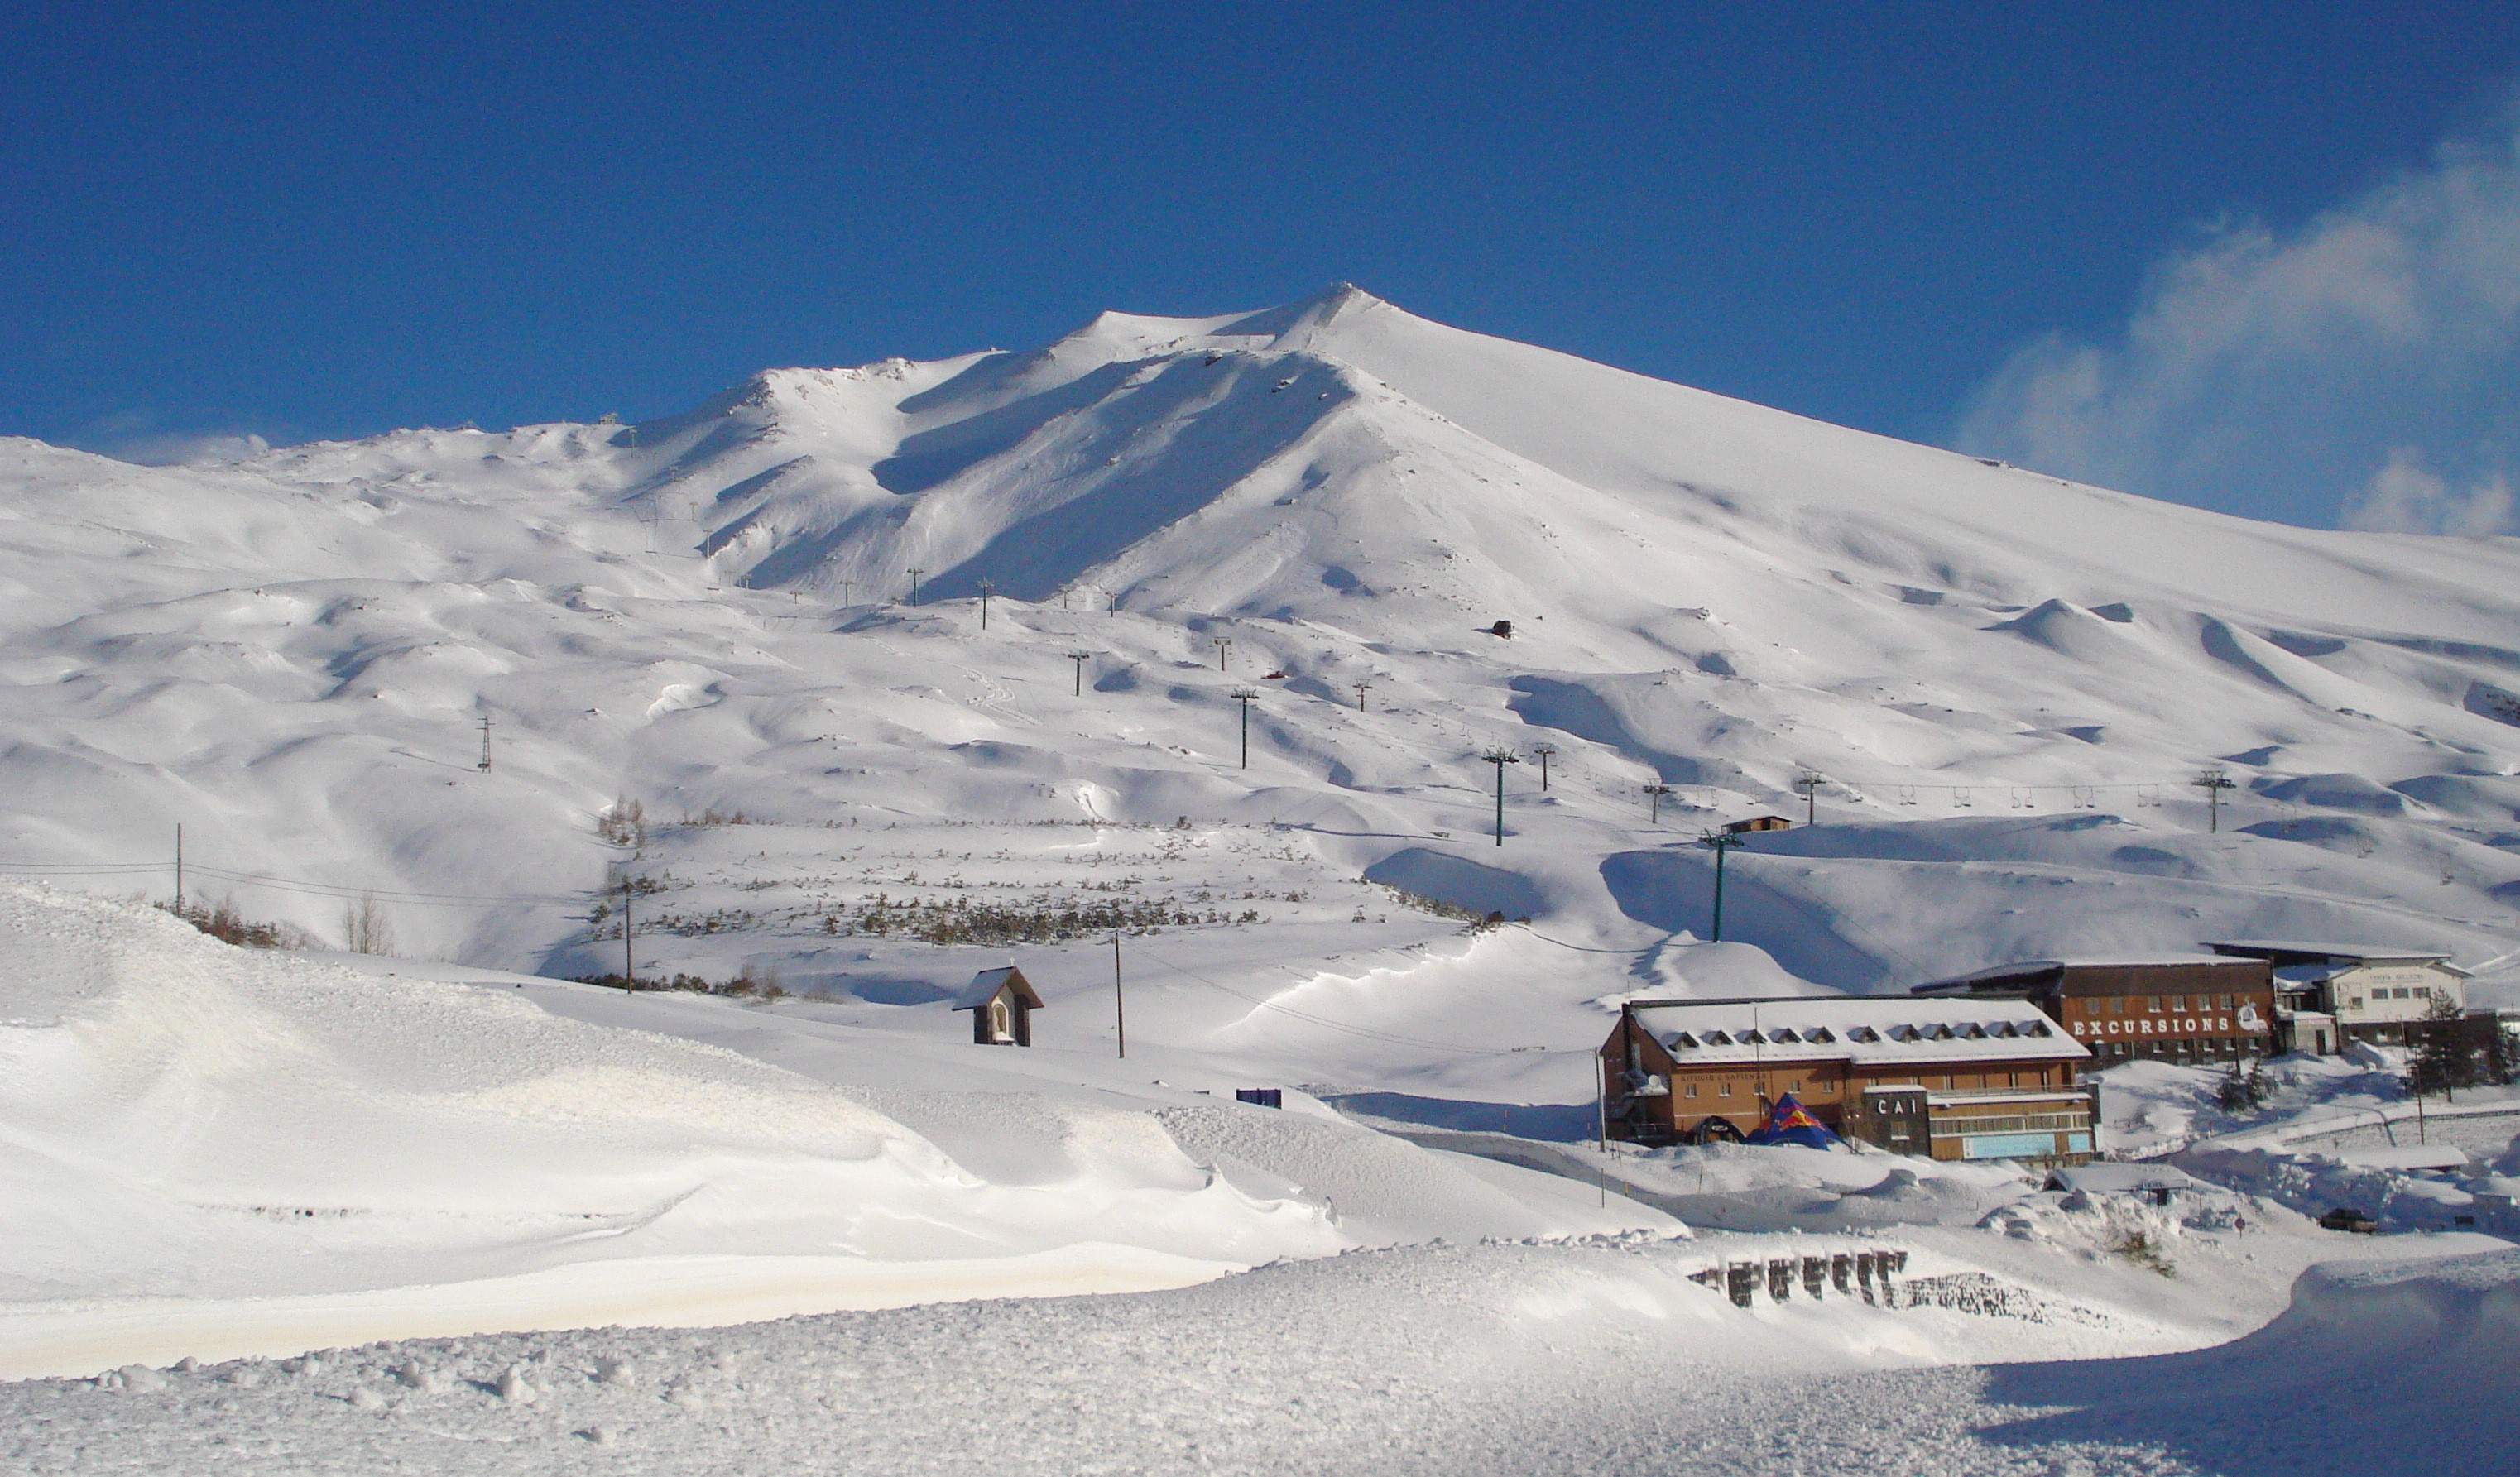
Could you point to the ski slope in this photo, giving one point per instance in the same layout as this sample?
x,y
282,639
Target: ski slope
x,y
2003,681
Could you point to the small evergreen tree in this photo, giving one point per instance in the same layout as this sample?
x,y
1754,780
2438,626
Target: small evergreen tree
x,y
2242,1091
2444,1056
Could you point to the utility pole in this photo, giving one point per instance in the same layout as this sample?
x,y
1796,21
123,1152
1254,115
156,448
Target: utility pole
x,y
1246,697
1719,843
1501,756
915,572
629,968
1362,688
179,869
1119,1003
1601,1126
1080,659
1653,797
1809,783
987,589
485,744
1224,648
1543,750
2213,782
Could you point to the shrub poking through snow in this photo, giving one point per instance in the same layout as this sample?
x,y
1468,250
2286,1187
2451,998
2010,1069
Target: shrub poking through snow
x,y
229,926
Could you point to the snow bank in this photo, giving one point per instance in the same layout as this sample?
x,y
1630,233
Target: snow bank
x,y
2375,1368
1501,1359
211,1148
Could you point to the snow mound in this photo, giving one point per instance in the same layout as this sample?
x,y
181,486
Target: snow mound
x,y
212,1148
2414,1366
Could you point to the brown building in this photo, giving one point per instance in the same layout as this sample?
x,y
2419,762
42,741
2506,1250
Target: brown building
x,y
2188,1010
1964,1079
1759,822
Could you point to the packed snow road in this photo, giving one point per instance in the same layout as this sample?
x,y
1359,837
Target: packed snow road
x,y
1497,1358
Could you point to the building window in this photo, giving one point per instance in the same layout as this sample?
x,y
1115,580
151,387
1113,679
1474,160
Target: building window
x,y
2117,1004
2178,1002
2152,1004
1690,1091
1795,1086
1723,1090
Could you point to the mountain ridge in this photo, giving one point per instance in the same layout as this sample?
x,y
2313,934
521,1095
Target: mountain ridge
x,y
1331,504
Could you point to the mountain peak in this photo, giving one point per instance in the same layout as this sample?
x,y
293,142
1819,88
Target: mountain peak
x,y
1316,311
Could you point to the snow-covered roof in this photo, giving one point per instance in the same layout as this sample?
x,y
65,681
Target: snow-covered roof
x,y
2338,954
985,985
1861,1029
2120,1178
2091,961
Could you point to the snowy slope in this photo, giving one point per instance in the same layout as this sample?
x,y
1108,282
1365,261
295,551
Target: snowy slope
x,y
2006,680
231,1148
1492,1360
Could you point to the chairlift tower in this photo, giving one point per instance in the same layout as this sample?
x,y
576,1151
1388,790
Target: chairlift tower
x,y
1543,751
2213,782
1080,659
1654,793
1501,756
915,572
987,589
484,765
1719,842
1246,697
1809,783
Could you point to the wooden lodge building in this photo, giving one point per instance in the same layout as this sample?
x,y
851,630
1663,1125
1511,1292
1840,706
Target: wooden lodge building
x,y
2194,1012
1951,1079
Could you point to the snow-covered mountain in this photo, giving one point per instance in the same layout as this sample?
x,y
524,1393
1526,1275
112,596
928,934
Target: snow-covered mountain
x,y
2005,681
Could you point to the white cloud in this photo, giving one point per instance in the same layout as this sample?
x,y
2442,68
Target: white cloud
x,y
2305,374
2404,497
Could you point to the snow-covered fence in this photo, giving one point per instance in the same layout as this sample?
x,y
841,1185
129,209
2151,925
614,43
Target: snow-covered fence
x,y
1867,1274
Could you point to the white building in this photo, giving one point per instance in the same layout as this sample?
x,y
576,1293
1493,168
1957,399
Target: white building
x,y
2372,994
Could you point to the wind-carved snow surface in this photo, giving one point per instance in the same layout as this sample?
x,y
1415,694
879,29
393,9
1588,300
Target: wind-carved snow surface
x,y
1502,1358
2005,681
215,1150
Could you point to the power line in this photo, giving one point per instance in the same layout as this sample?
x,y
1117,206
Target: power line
x,y
294,884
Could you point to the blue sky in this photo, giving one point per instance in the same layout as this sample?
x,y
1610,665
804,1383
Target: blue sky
x,y
2117,240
